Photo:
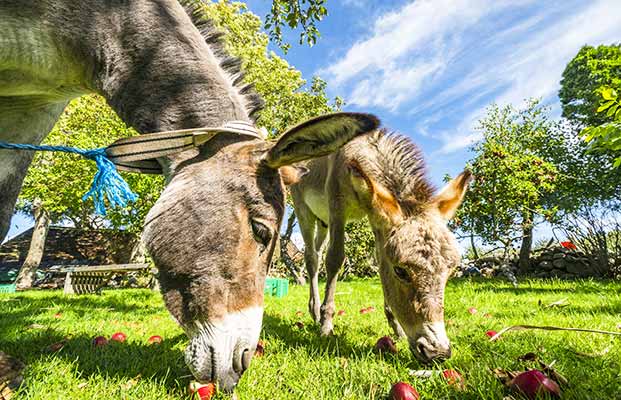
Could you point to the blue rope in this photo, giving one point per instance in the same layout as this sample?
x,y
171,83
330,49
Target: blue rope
x,y
107,182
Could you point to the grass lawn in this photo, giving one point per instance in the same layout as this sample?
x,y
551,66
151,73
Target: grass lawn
x,y
297,363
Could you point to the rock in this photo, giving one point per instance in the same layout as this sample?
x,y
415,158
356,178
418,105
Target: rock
x,y
559,263
545,265
577,269
558,256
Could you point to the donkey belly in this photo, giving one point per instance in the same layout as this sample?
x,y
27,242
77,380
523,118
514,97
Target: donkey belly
x,y
35,62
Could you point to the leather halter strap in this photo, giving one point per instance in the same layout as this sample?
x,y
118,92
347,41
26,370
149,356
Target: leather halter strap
x,y
140,153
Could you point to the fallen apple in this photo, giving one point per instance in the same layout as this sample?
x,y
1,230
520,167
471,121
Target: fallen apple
x,y
403,391
204,392
491,334
119,337
385,345
454,378
299,324
534,383
260,350
340,312
299,313
155,339
367,310
472,310
58,315
487,315
99,341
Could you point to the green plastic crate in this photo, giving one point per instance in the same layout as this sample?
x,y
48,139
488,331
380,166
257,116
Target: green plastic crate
x,y
7,288
276,287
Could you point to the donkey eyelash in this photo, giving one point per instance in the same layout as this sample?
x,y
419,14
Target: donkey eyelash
x,y
261,232
401,273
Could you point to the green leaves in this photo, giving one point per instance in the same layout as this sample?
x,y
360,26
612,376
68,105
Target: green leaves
x,y
607,136
304,14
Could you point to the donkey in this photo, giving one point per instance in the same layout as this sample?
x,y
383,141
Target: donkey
x,y
213,230
381,175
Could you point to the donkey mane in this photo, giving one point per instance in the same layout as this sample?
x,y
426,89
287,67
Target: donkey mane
x,y
398,165
230,64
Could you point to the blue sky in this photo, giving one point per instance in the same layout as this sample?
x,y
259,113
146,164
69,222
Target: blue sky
x,y
429,68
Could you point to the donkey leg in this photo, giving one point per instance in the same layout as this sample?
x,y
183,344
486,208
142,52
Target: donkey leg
x,y
334,260
392,321
22,120
308,222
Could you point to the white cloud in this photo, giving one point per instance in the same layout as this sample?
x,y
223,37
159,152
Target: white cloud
x,y
453,57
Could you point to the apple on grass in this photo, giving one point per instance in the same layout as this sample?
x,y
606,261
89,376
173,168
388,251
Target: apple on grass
x,y
534,383
155,339
100,341
202,391
118,337
403,391
385,345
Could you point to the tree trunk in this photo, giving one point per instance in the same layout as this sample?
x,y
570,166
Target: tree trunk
x,y
475,253
527,242
284,256
27,273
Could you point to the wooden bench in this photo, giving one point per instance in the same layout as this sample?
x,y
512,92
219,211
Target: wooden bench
x,y
83,279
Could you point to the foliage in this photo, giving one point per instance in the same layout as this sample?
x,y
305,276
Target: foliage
x,y
607,137
583,79
298,364
512,175
360,250
293,13
59,180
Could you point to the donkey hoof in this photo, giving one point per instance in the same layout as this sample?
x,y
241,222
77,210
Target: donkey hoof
x,y
327,331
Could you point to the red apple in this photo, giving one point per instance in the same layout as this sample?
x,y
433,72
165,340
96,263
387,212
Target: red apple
x,y
119,337
367,310
58,315
534,383
386,345
155,339
403,391
454,378
258,352
299,324
341,312
205,392
491,334
299,313
472,310
100,341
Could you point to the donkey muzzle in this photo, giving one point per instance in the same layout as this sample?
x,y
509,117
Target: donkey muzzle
x,y
431,343
220,352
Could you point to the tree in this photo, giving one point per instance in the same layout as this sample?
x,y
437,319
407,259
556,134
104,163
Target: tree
x,y
293,13
607,137
583,79
512,178
27,272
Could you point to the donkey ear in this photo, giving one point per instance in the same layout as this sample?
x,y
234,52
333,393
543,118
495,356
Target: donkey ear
x,y
318,137
291,174
450,197
382,199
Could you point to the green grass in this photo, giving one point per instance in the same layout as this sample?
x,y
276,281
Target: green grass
x,y
300,365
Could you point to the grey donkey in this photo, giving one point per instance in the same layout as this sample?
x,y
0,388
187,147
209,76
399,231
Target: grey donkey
x,y
212,232
381,176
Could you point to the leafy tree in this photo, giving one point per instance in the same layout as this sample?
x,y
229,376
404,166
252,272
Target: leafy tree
x,y
583,79
607,137
295,13
512,178
360,249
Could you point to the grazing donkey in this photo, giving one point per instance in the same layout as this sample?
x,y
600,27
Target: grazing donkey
x,y
213,230
381,175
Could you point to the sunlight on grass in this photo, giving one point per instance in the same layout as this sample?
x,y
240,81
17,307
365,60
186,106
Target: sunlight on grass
x,y
299,364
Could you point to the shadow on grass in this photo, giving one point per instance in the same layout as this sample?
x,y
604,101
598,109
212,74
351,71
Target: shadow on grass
x,y
163,363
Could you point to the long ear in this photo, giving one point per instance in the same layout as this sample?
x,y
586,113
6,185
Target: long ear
x,y
382,199
318,137
291,174
450,197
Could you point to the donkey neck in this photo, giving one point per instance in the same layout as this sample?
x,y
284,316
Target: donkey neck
x,y
158,73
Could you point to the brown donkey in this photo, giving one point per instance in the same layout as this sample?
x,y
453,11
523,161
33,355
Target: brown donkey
x,y
213,230
381,175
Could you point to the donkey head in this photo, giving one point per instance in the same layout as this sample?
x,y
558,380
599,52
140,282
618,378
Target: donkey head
x,y
213,231
416,252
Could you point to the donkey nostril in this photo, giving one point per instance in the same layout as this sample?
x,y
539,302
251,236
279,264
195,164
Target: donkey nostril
x,y
420,349
246,358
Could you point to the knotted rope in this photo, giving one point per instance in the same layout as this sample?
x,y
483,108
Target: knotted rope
x,y
107,182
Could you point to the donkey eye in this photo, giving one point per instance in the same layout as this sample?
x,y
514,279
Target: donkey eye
x,y
261,232
402,273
